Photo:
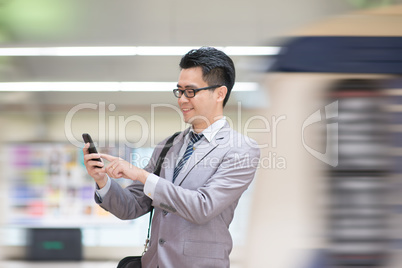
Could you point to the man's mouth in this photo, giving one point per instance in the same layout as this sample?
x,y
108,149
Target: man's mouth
x,y
186,110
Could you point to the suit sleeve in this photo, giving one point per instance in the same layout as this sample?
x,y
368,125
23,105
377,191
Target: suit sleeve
x,y
223,189
130,202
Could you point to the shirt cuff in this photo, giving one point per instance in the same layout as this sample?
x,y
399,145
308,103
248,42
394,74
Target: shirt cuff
x,y
102,192
150,184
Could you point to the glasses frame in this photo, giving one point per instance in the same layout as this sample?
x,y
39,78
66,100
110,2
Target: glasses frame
x,y
179,92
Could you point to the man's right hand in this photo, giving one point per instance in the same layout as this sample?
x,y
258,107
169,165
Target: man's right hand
x,y
95,168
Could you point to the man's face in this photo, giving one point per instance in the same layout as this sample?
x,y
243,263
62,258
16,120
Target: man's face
x,y
205,107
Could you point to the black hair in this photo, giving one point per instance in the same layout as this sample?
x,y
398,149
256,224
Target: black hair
x,y
217,67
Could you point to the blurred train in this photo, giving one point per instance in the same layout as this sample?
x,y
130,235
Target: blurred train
x,y
338,201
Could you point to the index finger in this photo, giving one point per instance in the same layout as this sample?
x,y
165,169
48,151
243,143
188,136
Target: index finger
x,y
108,157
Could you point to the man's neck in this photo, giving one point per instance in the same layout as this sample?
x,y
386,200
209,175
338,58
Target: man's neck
x,y
201,126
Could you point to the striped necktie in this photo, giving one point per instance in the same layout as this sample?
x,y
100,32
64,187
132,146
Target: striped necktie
x,y
189,150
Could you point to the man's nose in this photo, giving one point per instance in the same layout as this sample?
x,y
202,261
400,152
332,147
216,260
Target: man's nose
x,y
182,98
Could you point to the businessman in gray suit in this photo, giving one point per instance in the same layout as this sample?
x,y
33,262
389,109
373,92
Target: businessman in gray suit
x,y
203,176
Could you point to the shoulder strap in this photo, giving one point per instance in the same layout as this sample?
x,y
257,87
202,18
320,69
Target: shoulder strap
x,y
165,149
157,171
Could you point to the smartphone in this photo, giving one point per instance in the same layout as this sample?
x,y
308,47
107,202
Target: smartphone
x,y
92,149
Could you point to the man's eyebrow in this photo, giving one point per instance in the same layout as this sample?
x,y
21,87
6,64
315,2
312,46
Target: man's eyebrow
x,y
188,86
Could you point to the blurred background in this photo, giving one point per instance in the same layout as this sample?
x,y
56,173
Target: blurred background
x,y
318,86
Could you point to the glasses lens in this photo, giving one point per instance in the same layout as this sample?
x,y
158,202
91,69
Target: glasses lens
x,y
190,93
177,93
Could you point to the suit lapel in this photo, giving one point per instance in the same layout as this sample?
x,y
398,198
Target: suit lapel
x,y
171,157
203,149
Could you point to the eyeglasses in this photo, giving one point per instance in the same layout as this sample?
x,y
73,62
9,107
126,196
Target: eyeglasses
x,y
190,93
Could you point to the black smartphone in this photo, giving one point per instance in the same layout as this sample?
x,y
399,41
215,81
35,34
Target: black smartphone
x,y
92,149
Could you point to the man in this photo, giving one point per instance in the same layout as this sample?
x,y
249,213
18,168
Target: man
x,y
199,185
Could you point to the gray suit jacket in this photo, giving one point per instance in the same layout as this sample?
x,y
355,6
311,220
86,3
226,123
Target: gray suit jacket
x,y
192,216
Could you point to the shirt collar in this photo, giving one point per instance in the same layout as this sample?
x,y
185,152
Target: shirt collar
x,y
210,132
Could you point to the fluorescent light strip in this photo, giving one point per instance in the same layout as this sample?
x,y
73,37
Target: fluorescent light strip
x,y
132,51
104,86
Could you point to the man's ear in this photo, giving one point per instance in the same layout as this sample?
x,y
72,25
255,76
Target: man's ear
x,y
222,91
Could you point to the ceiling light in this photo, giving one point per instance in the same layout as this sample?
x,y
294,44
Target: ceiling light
x,y
105,86
133,51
